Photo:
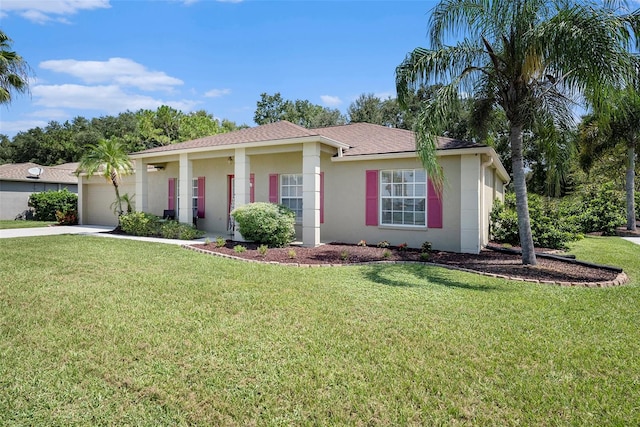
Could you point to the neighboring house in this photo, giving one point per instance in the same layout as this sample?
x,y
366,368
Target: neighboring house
x,y
19,180
345,183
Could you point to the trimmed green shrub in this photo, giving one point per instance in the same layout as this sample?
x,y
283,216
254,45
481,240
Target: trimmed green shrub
x,y
144,224
266,223
140,224
48,203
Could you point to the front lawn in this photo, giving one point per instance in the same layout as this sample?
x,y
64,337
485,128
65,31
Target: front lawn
x,y
6,224
99,331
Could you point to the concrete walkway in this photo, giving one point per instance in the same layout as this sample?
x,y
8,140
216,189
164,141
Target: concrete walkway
x,y
635,240
94,230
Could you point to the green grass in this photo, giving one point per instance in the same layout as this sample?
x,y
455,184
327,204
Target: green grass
x,y
98,331
6,224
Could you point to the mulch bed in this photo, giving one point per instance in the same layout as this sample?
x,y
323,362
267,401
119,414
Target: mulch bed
x,y
486,262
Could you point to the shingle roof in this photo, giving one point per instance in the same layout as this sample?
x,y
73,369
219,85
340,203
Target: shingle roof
x,y
62,174
269,132
367,138
362,138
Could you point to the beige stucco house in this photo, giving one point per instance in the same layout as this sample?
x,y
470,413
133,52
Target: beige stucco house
x,y
18,181
345,183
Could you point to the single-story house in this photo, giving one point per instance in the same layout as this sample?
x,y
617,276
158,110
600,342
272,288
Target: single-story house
x,y
345,183
19,180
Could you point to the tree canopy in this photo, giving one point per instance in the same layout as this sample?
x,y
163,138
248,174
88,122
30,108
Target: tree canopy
x,y
527,57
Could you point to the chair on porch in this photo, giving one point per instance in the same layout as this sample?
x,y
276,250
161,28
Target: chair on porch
x,y
169,214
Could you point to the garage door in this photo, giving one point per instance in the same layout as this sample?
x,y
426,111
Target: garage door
x,y
98,198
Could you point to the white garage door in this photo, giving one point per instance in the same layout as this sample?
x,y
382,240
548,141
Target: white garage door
x,y
98,198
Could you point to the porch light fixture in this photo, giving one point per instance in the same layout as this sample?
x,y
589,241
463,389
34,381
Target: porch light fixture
x,y
230,160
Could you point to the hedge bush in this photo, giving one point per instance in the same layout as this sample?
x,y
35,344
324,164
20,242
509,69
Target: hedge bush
x,y
548,227
144,224
266,223
49,203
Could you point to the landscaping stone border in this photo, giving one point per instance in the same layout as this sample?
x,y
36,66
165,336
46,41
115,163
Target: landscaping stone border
x,y
621,279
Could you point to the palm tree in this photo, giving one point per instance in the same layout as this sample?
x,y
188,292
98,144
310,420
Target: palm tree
x,y
109,159
527,57
616,122
14,71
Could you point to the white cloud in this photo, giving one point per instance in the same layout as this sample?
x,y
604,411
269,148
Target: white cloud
x,y
50,114
110,99
217,93
121,71
11,128
330,101
42,11
384,95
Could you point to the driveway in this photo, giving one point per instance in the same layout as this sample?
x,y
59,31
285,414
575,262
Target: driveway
x,y
97,230
635,240
54,230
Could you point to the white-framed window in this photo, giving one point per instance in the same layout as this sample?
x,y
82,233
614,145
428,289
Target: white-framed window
x,y
403,197
194,197
291,193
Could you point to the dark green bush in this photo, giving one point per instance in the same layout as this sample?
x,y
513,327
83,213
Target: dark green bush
x,y
266,223
548,228
48,203
144,224
603,209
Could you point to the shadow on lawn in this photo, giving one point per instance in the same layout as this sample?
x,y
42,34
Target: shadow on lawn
x,y
429,275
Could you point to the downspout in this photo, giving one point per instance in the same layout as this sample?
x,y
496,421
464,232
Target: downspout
x,y
483,166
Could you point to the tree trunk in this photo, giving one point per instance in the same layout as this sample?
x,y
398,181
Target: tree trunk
x,y
522,204
630,187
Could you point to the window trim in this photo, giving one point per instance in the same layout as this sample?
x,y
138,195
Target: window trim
x,y
424,199
301,197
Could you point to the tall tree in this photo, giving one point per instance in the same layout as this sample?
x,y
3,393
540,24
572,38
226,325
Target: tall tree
x,y
272,108
525,56
14,71
615,122
109,159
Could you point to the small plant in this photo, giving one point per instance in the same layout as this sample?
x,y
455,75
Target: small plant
x,y
239,249
403,246
426,247
424,256
344,255
292,253
207,241
386,253
262,250
220,242
362,243
383,244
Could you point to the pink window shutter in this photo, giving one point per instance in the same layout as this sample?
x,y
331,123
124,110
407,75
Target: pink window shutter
x,y
273,188
201,197
371,206
252,188
434,207
321,197
172,194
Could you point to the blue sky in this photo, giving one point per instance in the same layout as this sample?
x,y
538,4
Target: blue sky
x,y
102,57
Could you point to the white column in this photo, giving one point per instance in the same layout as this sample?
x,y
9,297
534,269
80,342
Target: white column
x,y
141,198
186,190
311,194
241,171
470,204
81,200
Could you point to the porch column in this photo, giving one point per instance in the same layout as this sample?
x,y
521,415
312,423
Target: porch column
x,y
142,202
311,194
185,190
81,217
241,171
